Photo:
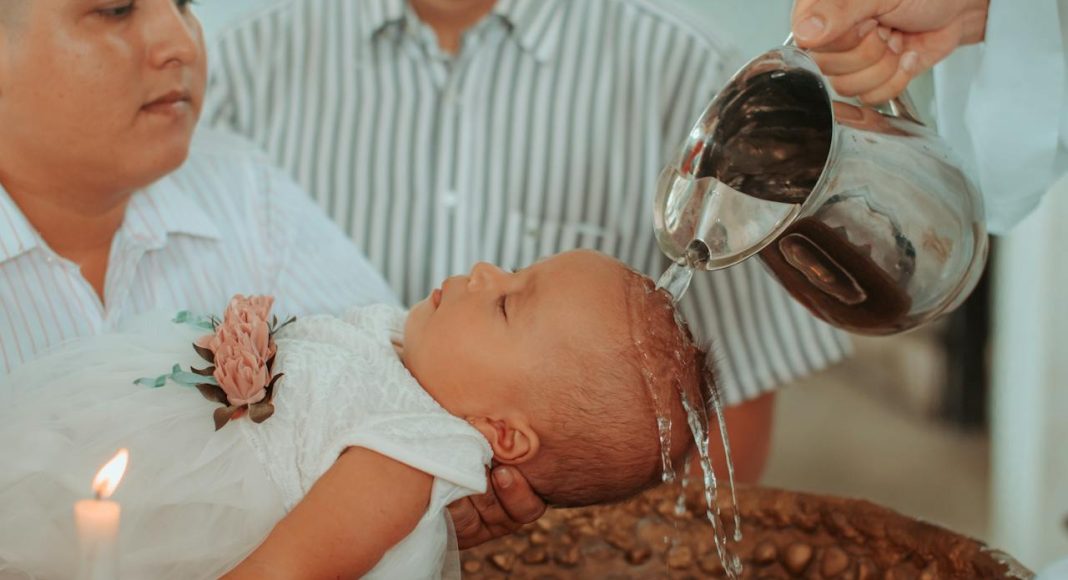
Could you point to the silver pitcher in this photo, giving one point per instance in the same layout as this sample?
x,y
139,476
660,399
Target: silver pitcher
x,y
865,217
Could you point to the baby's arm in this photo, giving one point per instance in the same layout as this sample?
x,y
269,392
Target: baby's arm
x,y
363,505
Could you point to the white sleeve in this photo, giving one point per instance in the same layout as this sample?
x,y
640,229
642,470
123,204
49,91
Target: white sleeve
x,y
1000,106
385,411
350,389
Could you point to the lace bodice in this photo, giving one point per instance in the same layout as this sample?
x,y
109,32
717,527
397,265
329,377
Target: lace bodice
x,y
345,386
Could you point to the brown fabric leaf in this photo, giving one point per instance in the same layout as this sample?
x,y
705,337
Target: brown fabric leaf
x,y
204,353
275,327
274,380
222,416
270,387
260,412
208,372
213,393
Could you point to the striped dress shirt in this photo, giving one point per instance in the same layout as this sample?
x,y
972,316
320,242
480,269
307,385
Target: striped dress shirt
x,y
545,132
225,223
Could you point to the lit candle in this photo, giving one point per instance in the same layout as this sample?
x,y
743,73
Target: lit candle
x,y
97,522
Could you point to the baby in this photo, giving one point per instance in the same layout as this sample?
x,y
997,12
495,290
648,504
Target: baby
x,y
560,369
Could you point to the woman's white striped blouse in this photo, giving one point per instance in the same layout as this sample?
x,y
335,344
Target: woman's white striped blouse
x,y
225,223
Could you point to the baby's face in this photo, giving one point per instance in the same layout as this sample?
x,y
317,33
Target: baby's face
x,y
475,343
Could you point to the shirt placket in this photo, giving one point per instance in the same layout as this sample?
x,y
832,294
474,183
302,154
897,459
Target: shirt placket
x,y
452,212
126,253
85,293
446,199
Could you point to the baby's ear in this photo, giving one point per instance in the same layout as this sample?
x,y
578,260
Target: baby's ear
x,y
513,440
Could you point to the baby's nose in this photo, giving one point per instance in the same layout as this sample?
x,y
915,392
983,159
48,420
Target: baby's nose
x,y
483,275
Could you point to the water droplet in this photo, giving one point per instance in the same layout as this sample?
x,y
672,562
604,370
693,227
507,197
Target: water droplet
x,y
697,418
717,406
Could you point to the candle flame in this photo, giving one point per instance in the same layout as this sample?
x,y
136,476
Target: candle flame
x,y
109,476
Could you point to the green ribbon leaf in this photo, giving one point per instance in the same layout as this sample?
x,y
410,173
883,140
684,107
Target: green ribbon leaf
x,y
187,317
189,379
154,383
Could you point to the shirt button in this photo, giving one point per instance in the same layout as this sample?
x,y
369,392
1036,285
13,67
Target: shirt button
x,y
452,95
450,200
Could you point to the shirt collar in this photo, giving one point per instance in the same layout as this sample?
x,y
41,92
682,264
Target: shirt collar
x,y
535,24
165,208
375,15
17,235
153,213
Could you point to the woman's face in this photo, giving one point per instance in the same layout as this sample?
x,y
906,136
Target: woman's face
x,y
105,91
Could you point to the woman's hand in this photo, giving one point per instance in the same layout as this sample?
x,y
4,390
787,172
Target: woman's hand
x,y
507,505
871,49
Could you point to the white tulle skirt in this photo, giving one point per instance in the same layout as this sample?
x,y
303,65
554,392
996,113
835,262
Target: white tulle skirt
x,y
194,501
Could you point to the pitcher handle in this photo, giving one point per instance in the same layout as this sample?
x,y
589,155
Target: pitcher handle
x,y
901,106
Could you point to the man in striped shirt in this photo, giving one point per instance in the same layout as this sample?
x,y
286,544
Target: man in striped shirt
x,y
439,133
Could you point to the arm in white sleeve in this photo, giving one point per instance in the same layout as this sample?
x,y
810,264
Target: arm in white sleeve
x,y
1000,106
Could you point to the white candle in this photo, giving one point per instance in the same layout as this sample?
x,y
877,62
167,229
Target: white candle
x,y
97,522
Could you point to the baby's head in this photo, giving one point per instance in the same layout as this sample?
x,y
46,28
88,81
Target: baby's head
x,y
556,365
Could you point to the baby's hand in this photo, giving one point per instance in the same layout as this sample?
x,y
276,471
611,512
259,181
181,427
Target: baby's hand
x,y
504,508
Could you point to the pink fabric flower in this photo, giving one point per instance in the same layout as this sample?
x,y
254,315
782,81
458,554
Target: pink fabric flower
x,y
240,373
242,346
247,308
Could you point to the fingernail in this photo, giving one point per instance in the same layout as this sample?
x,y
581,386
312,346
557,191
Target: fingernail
x,y
896,44
910,61
503,478
865,28
884,33
810,28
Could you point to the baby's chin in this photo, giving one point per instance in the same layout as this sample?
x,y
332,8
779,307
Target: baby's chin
x,y
412,323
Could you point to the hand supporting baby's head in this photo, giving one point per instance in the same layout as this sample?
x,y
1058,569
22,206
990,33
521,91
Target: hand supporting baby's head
x,y
565,367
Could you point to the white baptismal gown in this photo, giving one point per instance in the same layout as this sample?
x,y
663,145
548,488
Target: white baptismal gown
x,y
196,501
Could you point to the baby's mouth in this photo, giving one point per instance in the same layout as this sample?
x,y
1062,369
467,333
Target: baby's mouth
x,y
435,298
